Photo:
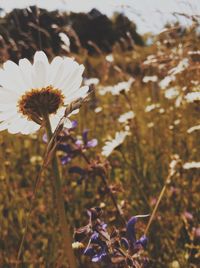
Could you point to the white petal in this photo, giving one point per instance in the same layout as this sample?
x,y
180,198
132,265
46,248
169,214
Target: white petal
x,y
74,81
12,73
40,70
26,68
30,128
39,74
68,67
6,96
80,93
4,125
40,56
68,123
7,106
15,125
7,115
53,69
74,112
54,120
8,83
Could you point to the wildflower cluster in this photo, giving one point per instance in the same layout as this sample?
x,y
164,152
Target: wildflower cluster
x,y
115,247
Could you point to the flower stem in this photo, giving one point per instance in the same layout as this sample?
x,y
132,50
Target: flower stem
x,y
65,229
167,182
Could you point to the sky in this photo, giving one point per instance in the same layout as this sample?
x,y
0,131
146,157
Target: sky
x,y
149,15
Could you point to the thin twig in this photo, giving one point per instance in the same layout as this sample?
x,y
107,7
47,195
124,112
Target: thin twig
x,y
167,182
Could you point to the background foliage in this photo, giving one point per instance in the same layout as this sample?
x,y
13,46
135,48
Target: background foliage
x,y
140,165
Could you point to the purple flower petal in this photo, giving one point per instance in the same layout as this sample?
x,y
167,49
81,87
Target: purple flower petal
x,y
99,257
95,237
142,241
130,230
74,124
89,252
44,138
65,159
79,143
85,135
92,143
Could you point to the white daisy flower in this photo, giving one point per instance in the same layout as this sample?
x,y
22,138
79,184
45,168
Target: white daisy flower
x,y
193,96
183,64
171,93
112,144
66,41
98,110
194,128
29,90
152,78
151,107
150,59
164,83
91,81
118,88
110,58
124,118
190,165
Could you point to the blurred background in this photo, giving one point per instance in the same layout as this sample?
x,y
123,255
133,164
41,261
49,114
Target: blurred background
x,y
156,44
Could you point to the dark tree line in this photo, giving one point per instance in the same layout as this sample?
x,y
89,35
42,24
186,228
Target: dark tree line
x,y
22,31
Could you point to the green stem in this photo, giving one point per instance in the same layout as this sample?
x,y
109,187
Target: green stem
x,y
65,229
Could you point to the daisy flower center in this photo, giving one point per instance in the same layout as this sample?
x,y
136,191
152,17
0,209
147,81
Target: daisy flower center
x,y
40,101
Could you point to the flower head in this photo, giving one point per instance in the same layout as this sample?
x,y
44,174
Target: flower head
x,y
124,118
28,91
193,96
111,145
84,143
190,165
131,234
118,88
152,78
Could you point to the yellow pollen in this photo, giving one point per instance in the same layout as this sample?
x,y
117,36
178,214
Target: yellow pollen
x,y
40,101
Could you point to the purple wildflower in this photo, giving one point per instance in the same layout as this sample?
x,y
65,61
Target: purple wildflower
x,y
131,234
84,143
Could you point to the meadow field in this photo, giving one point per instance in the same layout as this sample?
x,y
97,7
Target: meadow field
x,y
129,164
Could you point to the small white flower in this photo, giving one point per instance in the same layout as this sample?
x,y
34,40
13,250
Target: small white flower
x,y
192,129
118,88
183,64
151,107
65,39
193,96
161,111
91,81
147,79
166,81
112,144
194,82
150,125
110,58
31,90
190,165
104,90
150,59
171,93
197,52
177,122
124,118
98,110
